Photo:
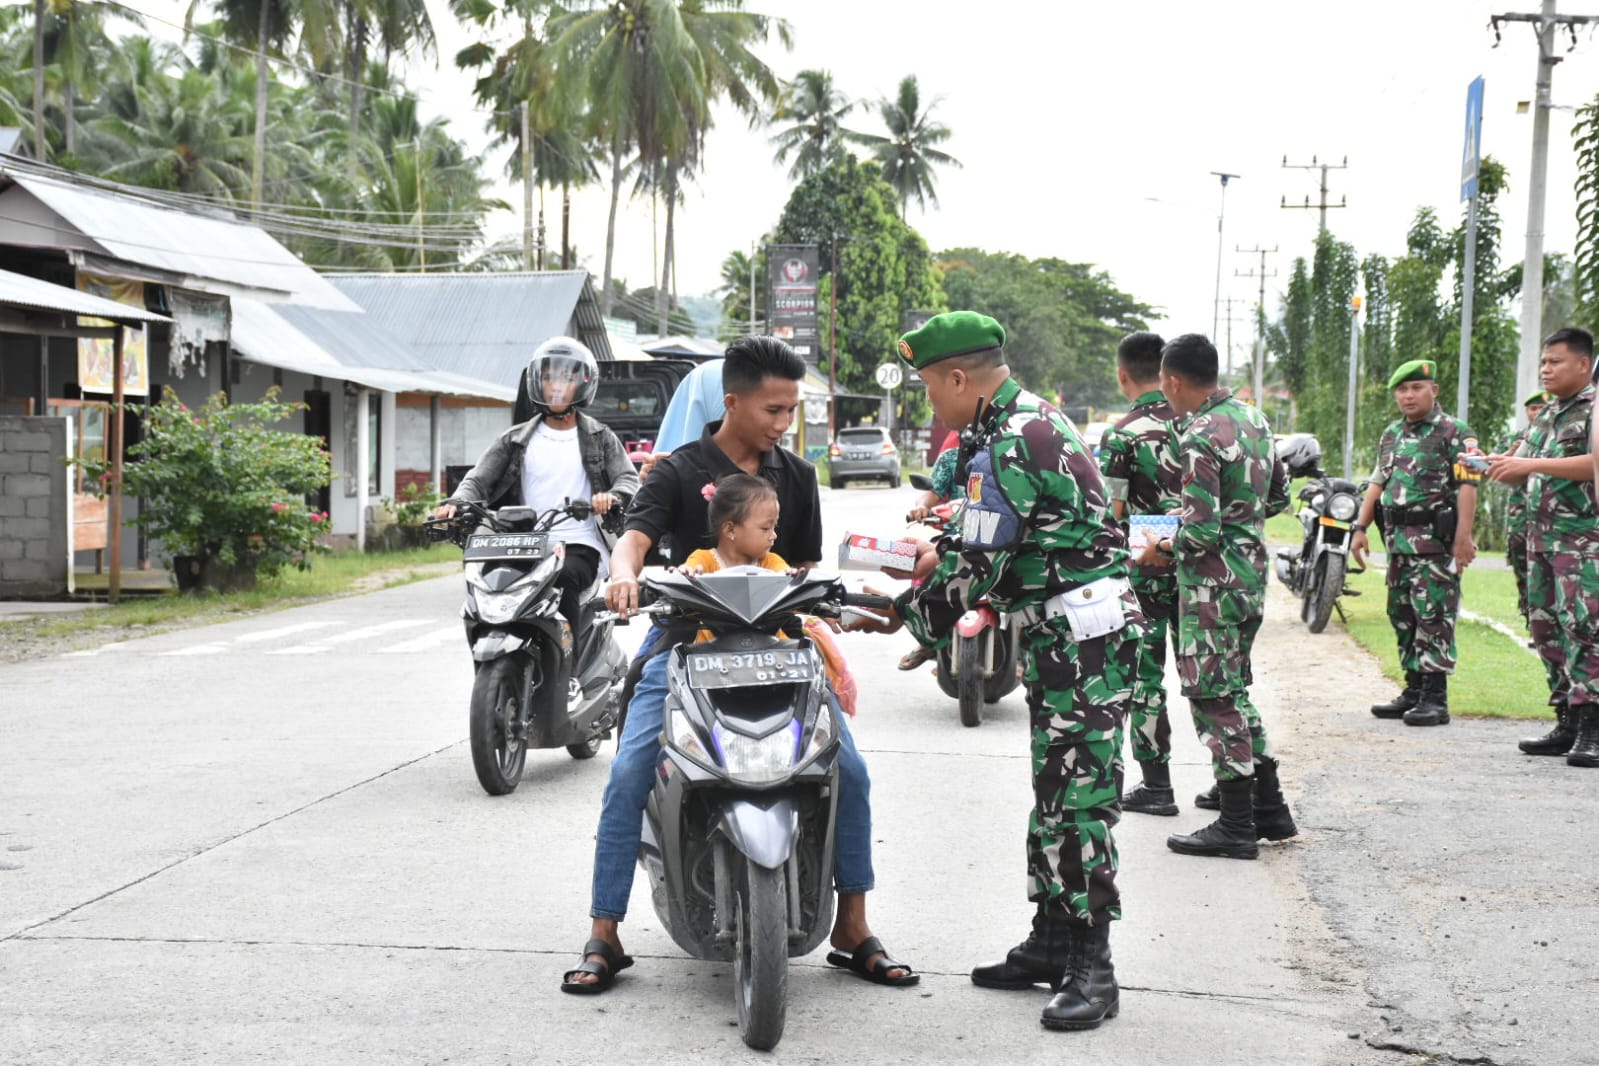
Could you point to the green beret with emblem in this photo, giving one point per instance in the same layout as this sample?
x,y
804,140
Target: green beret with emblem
x,y
1537,399
951,334
1415,370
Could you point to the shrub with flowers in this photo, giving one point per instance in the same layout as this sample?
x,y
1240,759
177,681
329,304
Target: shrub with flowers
x,y
220,483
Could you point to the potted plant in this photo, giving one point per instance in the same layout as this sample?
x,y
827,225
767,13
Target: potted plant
x,y
224,492
409,508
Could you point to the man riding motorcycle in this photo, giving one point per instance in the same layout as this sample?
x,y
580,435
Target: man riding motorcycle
x,y
558,455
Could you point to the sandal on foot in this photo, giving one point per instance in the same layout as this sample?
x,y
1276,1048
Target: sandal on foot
x,y
916,657
615,962
878,972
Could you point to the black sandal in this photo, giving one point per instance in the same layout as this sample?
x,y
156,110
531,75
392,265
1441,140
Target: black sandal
x,y
878,972
615,963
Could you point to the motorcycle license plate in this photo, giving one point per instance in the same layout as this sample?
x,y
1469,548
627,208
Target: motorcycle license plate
x,y
481,546
742,669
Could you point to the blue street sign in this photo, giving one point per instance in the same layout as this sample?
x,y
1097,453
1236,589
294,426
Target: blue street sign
x,y
1471,157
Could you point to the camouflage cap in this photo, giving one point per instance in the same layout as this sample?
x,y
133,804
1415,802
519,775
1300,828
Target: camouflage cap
x,y
1415,370
1537,399
948,335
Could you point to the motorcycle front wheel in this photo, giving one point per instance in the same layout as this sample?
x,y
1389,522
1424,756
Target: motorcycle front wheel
x,y
1325,590
969,679
498,740
760,965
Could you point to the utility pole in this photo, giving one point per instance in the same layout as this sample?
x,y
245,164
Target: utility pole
x,y
1544,24
1260,317
1221,216
753,246
1354,365
1231,302
1320,205
527,186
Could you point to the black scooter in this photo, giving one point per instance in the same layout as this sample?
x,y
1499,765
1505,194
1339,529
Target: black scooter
x,y
738,830
536,687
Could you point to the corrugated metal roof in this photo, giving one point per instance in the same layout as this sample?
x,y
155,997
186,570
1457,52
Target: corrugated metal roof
x,y
19,290
481,325
211,252
346,346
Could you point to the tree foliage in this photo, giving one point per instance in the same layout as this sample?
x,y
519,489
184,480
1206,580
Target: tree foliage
x,y
1062,320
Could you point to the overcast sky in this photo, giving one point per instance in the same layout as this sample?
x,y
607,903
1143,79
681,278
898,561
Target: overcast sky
x,y
1089,131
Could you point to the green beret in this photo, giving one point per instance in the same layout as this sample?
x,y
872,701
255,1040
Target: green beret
x,y
1415,370
948,335
1537,399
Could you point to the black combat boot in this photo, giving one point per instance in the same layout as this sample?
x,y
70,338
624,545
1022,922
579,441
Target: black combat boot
x,y
1433,707
1232,835
1089,994
1208,800
1272,818
1585,752
1396,707
1040,959
1557,741
1155,795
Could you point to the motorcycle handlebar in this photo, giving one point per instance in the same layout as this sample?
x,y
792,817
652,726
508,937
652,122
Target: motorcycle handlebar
x,y
871,602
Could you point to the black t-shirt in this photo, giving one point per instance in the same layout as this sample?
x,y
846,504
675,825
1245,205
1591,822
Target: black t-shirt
x,y
671,504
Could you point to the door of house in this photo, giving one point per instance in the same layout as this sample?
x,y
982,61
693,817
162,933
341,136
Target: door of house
x,y
319,423
90,514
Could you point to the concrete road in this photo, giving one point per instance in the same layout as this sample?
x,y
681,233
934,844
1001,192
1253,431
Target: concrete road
x,y
262,841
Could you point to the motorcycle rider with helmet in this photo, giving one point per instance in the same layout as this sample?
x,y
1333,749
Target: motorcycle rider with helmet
x,y
558,455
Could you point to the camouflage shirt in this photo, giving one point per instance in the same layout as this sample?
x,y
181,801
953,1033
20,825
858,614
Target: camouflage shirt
x,y
1232,482
1036,520
1419,469
1561,514
1138,456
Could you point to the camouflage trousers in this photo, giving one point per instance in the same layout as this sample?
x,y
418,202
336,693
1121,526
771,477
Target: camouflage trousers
x,y
1077,696
1516,556
1563,607
1423,601
1216,631
1148,723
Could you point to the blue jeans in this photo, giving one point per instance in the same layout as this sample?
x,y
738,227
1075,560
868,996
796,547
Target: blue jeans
x,y
633,775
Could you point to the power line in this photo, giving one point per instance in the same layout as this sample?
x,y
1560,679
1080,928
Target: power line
x,y
1321,205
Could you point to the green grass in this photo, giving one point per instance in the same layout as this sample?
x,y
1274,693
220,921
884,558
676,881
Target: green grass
x,y
1495,677
338,574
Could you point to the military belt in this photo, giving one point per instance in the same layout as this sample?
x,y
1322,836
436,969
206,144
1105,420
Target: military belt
x,y
1408,516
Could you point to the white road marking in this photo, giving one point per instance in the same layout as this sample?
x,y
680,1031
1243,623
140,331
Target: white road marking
x,y
425,641
322,644
281,631
116,645
198,649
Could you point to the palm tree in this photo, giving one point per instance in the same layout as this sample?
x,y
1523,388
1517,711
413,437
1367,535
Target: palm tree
x,y
268,26
395,25
816,110
649,70
737,270
907,153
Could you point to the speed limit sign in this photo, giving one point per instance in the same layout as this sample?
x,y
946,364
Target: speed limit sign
x,y
889,376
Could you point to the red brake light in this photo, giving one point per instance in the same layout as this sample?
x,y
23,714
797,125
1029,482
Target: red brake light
x,y
888,447
833,451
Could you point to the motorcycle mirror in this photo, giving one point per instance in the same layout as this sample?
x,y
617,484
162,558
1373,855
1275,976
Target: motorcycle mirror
x,y
921,481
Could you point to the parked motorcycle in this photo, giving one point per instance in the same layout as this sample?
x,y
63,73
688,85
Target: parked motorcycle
x,y
533,688
1315,572
738,831
978,665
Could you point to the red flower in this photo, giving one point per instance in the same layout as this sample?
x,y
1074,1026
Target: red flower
x,y
279,508
708,490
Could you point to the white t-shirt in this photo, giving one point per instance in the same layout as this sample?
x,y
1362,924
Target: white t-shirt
x,y
552,474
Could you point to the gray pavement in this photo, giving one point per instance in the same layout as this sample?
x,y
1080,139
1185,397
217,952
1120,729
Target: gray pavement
x,y
262,841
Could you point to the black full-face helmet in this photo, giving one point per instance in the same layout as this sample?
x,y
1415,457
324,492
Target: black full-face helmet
x,y
561,375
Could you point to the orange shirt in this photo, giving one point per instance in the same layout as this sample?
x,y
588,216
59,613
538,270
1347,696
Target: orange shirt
x,y
706,560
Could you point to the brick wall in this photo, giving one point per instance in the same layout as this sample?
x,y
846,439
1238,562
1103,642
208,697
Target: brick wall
x,y
33,507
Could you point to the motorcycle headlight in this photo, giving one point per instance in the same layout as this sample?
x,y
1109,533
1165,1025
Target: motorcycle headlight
x,y
757,759
821,735
680,734
1342,506
496,608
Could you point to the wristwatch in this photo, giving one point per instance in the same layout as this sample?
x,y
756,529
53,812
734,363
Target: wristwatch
x,y
1358,527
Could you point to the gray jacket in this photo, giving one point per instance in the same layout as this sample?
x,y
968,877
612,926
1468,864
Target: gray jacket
x,y
496,480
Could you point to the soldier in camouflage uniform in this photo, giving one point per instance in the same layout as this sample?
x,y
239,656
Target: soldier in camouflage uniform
x,y
1036,537
1563,546
1426,486
1231,482
1138,456
1516,506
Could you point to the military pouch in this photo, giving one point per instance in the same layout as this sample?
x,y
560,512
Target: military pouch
x,y
1091,610
1444,522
